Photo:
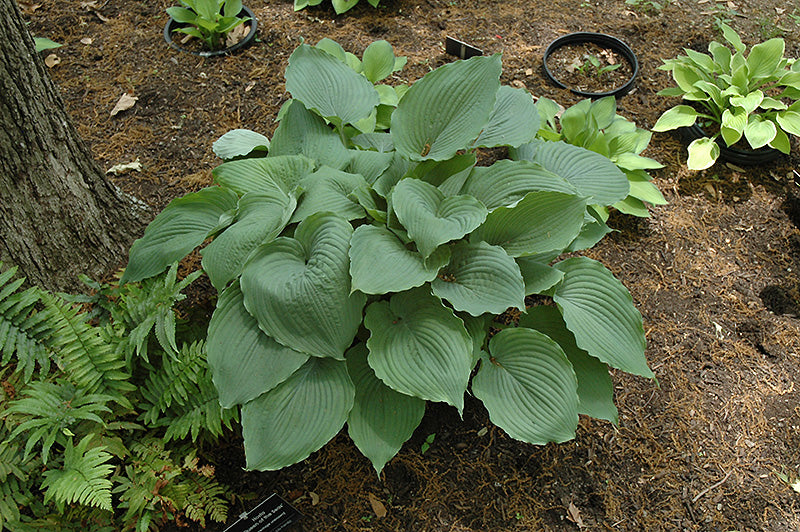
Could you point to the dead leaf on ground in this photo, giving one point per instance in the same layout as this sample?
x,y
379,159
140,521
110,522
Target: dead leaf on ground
x,y
377,506
125,167
236,34
101,17
29,7
51,60
87,40
126,101
314,498
574,515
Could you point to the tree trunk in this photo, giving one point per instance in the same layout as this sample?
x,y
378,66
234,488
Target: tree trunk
x,y
59,216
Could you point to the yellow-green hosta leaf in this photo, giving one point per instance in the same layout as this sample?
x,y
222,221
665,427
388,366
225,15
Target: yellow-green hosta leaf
x,y
297,417
446,110
514,120
340,6
781,142
750,102
764,58
237,142
732,37
182,226
540,222
678,116
480,278
244,361
645,190
733,123
703,153
506,182
418,347
380,263
298,289
302,132
686,76
599,311
378,61
327,86
261,217
595,389
529,387
789,122
432,219
631,161
329,190
759,132
381,419
264,174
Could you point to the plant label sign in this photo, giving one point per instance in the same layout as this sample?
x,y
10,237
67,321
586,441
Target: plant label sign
x,y
460,49
273,514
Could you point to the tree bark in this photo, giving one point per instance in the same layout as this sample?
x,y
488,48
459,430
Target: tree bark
x,y
59,215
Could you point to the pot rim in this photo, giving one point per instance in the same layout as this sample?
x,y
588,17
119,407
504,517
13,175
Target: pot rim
x,y
602,39
248,39
760,155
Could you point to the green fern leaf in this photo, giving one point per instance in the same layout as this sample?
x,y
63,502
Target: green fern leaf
x,y
84,478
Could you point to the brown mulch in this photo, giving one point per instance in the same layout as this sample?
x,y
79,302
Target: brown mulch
x,y
714,273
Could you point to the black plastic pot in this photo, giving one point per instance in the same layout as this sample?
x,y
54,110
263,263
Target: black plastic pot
x,y
606,41
733,155
172,25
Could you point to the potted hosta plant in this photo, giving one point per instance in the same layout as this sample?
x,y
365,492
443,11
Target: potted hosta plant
x,y
741,106
222,26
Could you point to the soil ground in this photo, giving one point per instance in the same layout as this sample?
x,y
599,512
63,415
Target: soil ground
x,y
714,273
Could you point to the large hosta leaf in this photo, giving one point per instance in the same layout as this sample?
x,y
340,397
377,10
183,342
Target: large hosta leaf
x,y
302,132
538,276
418,347
261,218
506,182
528,387
380,263
599,311
299,288
244,361
328,190
481,278
369,164
238,142
328,86
540,222
178,229
381,419
297,417
514,119
264,174
446,110
432,219
592,174
595,389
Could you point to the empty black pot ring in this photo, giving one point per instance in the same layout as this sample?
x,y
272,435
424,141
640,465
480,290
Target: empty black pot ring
x,y
607,41
172,25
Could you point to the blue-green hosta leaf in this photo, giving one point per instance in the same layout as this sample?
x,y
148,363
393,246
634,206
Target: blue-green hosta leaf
x,y
703,153
261,217
302,132
328,190
432,219
370,164
381,419
238,142
678,116
759,132
381,142
632,206
592,174
380,263
393,174
599,311
764,58
378,61
479,279
244,361
595,389
789,122
182,226
540,222
341,6
418,347
299,288
592,232
514,120
264,174
449,175
327,86
297,417
332,47
538,276
506,182
446,110
478,329
529,387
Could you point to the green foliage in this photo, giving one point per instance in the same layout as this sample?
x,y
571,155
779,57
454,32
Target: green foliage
x,y
359,271
208,20
72,432
43,43
596,126
740,96
648,6
340,6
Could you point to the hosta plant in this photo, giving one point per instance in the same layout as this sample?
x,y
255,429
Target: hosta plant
x,y
340,6
734,94
359,274
596,126
208,20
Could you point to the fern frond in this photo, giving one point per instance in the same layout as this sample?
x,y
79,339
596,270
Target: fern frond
x,y
20,333
84,478
207,499
202,416
87,355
